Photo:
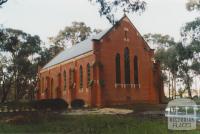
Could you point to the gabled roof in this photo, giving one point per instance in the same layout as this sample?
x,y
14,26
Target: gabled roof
x,y
82,47
76,50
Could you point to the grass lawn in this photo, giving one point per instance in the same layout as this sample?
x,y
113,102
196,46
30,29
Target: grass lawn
x,y
85,124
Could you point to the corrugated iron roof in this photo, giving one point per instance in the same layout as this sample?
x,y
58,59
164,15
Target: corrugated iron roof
x,y
81,48
76,50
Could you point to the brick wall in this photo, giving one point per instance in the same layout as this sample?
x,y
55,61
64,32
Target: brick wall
x,y
115,42
102,63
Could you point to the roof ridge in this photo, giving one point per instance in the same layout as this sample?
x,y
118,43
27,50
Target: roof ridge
x,y
83,46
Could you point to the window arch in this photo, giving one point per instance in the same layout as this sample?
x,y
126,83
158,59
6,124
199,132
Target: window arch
x,y
81,76
42,84
47,87
126,66
59,80
71,77
65,80
52,87
117,69
58,88
88,74
136,79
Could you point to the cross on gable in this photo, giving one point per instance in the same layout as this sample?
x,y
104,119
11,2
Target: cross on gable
x,y
125,11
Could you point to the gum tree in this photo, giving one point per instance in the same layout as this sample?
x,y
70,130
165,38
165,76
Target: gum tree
x,y
110,8
20,49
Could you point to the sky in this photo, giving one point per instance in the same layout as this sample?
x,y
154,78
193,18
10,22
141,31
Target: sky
x,y
46,17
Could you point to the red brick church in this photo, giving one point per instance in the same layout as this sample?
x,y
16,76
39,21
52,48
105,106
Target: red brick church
x,y
113,67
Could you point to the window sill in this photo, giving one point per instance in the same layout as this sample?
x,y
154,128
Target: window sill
x,y
127,86
118,85
137,86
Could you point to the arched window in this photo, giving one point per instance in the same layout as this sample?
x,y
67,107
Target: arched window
x,y
136,80
42,84
52,87
127,66
65,80
81,76
48,82
117,69
59,80
47,87
58,88
88,74
71,77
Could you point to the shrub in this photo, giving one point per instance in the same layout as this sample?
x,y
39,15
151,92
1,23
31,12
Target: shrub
x,y
15,104
77,103
50,104
195,97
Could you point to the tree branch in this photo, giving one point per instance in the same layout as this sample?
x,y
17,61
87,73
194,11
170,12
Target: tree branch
x,y
2,2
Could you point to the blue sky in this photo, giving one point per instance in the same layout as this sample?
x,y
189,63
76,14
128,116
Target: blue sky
x,y
46,17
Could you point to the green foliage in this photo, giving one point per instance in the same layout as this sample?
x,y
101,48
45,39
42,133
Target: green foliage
x,y
20,49
48,53
168,59
179,58
20,44
77,103
193,5
2,2
70,35
73,34
191,30
109,9
196,67
162,41
5,80
166,51
182,63
191,39
189,52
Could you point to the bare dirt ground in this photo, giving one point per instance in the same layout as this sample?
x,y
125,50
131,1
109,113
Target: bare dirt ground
x,y
142,109
99,111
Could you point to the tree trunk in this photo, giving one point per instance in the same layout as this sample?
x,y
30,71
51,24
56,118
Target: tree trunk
x,y
4,95
172,88
181,95
188,86
189,92
169,87
174,78
14,77
5,89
